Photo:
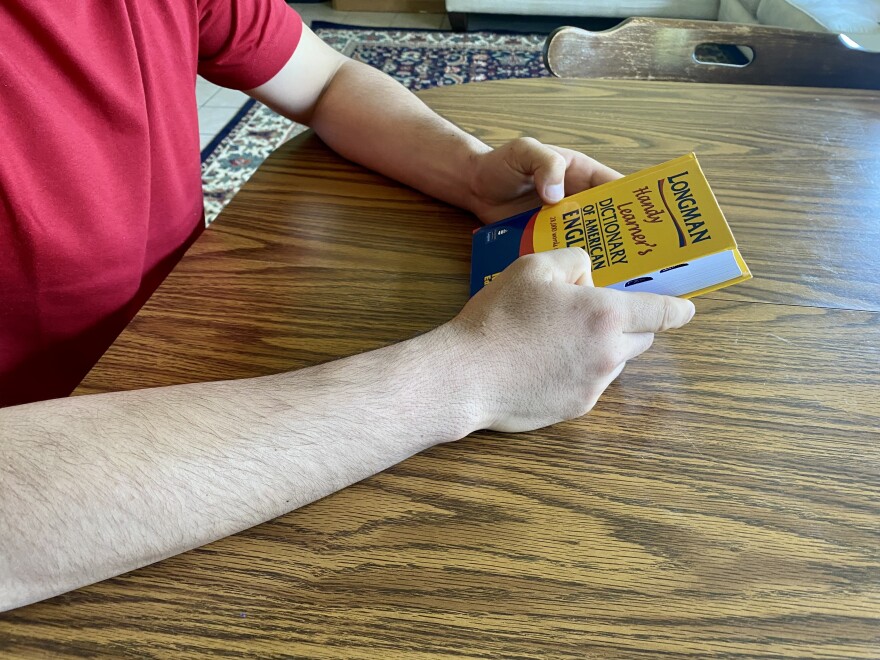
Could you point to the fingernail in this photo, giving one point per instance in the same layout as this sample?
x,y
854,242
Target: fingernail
x,y
555,192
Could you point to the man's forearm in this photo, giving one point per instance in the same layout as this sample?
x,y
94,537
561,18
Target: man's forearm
x,y
94,486
369,118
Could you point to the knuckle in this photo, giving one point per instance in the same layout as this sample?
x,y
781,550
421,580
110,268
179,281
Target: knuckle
x,y
556,158
608,362
667,316
591,396
607,318
528,262
579,406
526,142
567,253
586,406
530,266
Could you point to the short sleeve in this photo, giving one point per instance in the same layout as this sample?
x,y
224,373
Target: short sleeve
x,y
244,43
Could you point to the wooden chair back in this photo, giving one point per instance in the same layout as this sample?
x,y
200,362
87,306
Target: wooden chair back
x,y
665,49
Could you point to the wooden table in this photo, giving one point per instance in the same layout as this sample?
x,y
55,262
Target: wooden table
x,y
722,500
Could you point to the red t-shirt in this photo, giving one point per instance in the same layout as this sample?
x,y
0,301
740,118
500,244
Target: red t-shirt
x,y
100,183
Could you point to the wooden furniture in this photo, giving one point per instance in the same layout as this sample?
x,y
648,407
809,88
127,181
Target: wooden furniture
x,y
721,501
665,49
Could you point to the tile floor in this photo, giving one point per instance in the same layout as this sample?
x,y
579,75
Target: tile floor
x,y
218,105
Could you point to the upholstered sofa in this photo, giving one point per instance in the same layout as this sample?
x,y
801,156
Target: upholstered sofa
x,y
858,19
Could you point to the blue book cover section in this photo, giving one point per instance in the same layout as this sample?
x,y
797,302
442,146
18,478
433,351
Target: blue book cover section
x,y
498,245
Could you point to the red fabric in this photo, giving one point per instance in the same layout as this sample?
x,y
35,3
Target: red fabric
x,y
100,183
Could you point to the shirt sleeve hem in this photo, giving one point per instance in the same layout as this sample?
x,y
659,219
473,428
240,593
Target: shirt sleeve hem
x,y
269,60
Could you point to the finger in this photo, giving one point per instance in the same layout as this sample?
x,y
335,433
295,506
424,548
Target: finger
x,y
610,378
649,312
629,346
614,374
546,165
583,172
568,265
635,343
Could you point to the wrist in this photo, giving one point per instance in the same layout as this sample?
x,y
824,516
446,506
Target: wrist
x,y
416,393
475,203
452,379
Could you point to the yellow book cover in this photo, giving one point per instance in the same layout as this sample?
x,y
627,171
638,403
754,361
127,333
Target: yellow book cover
x,y
659,230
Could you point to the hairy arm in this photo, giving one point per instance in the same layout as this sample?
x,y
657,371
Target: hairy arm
x,y
94,486
369,118
364,115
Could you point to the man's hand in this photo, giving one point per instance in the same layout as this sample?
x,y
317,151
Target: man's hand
x,y
525,173
546,343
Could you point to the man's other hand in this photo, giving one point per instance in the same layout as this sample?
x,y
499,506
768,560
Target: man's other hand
x,y
525,173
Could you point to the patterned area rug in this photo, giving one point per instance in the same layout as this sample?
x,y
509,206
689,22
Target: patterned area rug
x,y
418,59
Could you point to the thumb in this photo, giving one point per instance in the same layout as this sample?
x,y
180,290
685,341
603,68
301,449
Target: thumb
x,y
547,166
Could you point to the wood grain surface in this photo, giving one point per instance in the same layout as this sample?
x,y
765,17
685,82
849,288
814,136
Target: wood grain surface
x,y
648,48
721,501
